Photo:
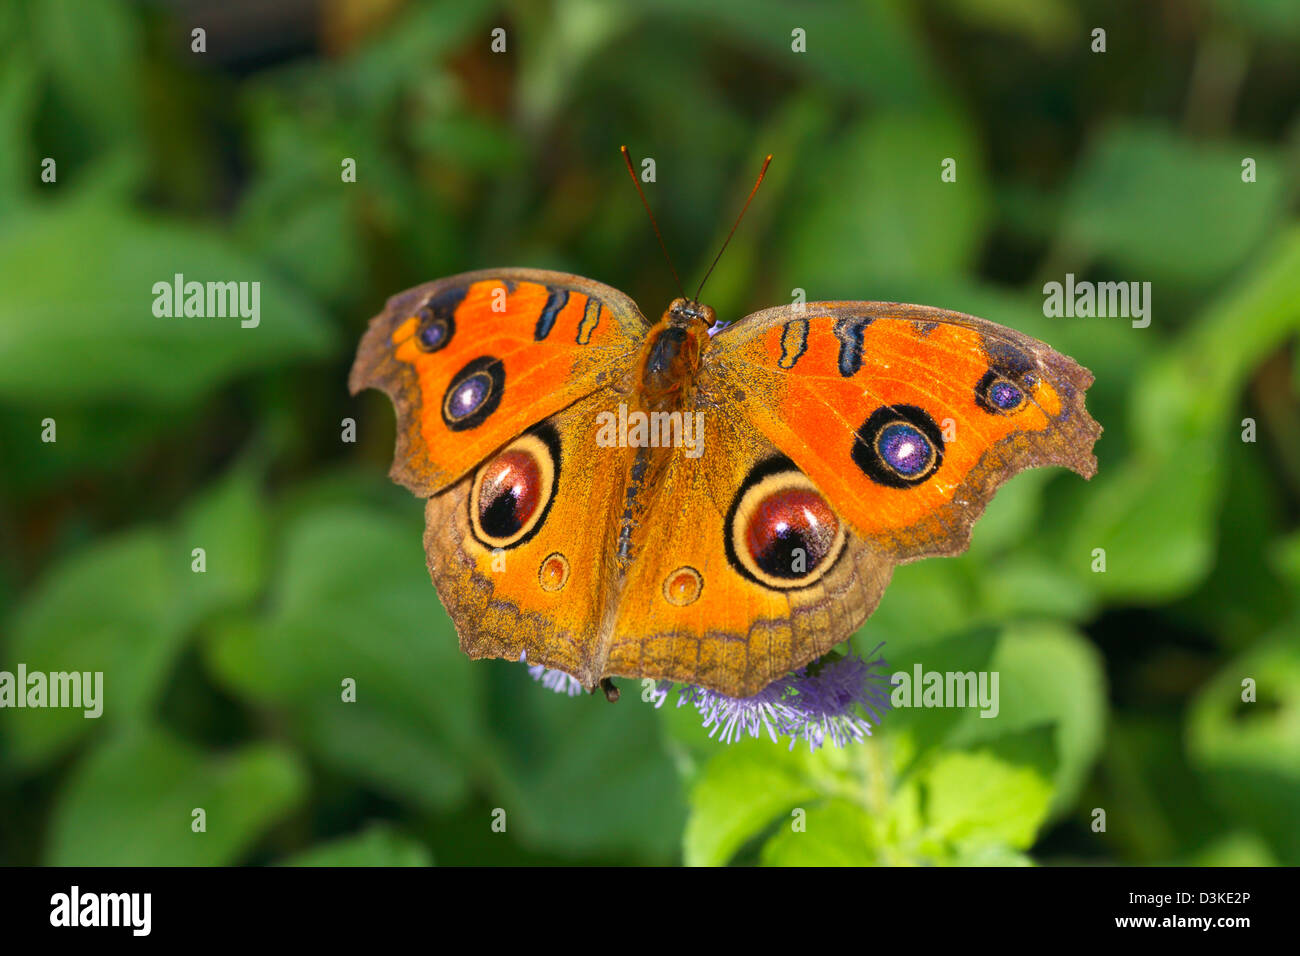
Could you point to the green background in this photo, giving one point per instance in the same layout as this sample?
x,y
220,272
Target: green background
x,y
1120,691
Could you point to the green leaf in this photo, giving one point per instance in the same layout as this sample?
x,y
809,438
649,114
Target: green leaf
x,y
1047,23
1247,592
1146,199
131,802
418,42
1048,676
981,798
990,854
229,522
316,242
546,748
1154,512
1012,515
109,608
1235,849
1249,751
1027,585
578,775
835,833
1225,730
353,601
1154,519
739,794
1287,558
17,104
69,35
124,605
93,442
93,267
926,728
884,36
1162,802
941,587
1191,388
376,845
570,35
1275,21
902,220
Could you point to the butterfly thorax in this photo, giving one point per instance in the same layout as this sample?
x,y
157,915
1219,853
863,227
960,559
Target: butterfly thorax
x,y
671,354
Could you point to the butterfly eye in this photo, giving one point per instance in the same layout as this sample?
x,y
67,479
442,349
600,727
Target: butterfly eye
x,y
998,395
782,532
511,495
898,446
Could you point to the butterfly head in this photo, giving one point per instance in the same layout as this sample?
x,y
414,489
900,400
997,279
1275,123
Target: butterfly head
x,y
685,312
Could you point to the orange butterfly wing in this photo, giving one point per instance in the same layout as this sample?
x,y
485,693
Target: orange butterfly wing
x,y
898,421
473,360
827,384
540,590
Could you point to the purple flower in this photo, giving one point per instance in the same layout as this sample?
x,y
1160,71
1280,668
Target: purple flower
x,y
831,695
737,716
661,693
836,699
829,700
558,681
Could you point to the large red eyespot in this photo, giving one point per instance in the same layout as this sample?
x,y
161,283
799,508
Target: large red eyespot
x,y
782,532
791,530
509,494
512,493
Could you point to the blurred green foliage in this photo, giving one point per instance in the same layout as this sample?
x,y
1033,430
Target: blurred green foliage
x,y
1120,691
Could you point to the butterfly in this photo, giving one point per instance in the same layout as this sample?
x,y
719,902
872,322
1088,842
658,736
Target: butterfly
x,y
613,497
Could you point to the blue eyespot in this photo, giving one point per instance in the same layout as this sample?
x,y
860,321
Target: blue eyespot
x,y
434,336
437,318
998,395
904,449
898,446
473,393
1005,395
467,397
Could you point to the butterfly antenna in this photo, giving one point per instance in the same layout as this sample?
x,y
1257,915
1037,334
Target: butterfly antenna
x,y
627,158
758,182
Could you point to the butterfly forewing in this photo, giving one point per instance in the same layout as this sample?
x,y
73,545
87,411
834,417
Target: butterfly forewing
x,y
473,360
906,417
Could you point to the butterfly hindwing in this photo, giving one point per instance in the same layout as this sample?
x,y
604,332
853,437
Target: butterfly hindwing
x,y
473,360
741,571
521,548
